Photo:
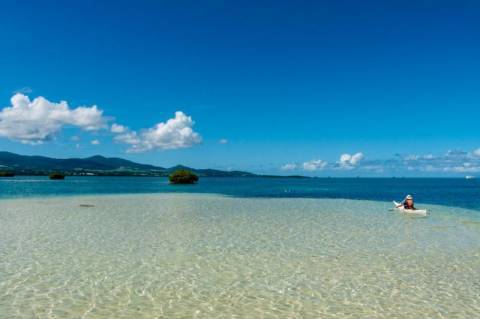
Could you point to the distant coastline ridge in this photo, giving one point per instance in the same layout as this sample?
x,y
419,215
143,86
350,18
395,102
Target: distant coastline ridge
x,y
98,166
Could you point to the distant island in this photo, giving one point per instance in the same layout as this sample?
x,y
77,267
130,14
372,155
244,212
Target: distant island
x,y
98,166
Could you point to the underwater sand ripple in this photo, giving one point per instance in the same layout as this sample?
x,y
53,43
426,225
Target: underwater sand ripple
x,y
209,256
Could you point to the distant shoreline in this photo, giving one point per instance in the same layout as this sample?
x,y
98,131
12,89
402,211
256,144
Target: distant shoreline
x,y
153,175
246,176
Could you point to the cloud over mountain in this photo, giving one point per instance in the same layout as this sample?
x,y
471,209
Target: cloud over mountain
x,y
37,121
175,133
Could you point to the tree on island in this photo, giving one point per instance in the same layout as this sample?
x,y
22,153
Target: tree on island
x,y
56,175
183,176
7,173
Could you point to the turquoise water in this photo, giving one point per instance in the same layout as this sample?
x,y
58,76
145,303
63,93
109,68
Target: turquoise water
x,y
211,256
449,191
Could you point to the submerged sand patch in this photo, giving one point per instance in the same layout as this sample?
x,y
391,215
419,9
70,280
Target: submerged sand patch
x,y
208,256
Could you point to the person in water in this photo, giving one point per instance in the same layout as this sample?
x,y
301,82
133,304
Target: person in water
x,y
408,203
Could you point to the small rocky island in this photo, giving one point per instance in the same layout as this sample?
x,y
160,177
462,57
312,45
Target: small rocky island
x,y
183,176
56,175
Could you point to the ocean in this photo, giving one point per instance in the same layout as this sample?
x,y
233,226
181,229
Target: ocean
x,y
112,247
458,192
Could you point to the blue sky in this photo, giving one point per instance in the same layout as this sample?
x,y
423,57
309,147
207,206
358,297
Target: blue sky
x,y
261,85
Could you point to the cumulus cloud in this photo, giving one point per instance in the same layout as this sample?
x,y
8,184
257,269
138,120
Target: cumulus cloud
x,y
175,133
37,121
95,142
128,138
346,161
453,161
117,128
350,161
314,165
223,141
289,167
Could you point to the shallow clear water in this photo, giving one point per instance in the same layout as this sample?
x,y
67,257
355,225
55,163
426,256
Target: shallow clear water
x,y
209,256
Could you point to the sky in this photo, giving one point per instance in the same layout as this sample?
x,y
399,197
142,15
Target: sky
x,y
321,88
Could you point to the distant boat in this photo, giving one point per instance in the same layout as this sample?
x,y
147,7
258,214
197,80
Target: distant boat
x,y
469,177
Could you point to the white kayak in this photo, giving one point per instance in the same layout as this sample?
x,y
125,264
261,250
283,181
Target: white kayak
x,y
401,209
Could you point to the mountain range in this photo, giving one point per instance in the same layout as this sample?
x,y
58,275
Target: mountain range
x,y
96,165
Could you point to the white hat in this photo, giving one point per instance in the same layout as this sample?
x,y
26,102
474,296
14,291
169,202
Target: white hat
x,y
409,197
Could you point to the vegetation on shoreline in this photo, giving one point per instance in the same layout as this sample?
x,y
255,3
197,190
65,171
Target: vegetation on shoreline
x,y
56,175
183,176
7,174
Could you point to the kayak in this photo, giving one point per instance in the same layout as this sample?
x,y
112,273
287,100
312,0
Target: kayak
x,y
401,209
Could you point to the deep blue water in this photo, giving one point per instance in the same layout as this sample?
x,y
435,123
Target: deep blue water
x,y
444,191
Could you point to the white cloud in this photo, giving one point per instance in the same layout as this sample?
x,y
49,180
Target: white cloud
x,y
173,134
289,167
95,142
37,121
456,153
128,138
464,168
117,128
314,165
414,157
75,138
453,161
348,161
411,157
356,158
223,141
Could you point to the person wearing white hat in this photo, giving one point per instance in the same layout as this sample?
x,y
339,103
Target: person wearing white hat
x,y
408,203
